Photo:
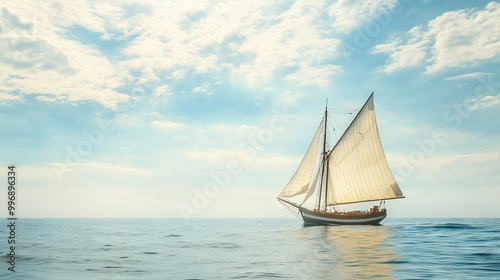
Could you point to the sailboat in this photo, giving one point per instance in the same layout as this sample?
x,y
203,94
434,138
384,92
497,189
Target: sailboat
x,y
355,170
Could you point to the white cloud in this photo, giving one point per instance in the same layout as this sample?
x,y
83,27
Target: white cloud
x,y
168,41
9,97
199,89
163,41
409,55
468,76
205,88
459,162
314,75
37,58
452,40
483,102
349,15
154,115
214,155
107,167
163,90
169,124
250,39
260,162
257,42
295,44
50,99
464,37
290,98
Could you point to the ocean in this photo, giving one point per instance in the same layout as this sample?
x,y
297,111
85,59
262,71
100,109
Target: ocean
x,y
251,249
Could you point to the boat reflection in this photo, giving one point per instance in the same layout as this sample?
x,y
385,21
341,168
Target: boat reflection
x,y
349,252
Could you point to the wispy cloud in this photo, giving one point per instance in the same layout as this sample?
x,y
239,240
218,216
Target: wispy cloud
x,y
162,90
483,102
348,15
10,97
205,88
169,124
468,76
290,98
107,167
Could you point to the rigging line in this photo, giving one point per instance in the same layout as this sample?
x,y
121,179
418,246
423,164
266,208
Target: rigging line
x,y
345,110
345,113
337,128
290,208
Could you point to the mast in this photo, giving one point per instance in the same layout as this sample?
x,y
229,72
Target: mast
x,y
323,162
326,180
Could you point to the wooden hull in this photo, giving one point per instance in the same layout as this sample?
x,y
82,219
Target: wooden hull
x,y
351,218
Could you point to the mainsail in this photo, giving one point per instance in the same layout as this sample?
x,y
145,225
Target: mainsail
x,y
357,167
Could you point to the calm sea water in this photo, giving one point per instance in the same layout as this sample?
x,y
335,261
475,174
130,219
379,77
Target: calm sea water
x,y
252,249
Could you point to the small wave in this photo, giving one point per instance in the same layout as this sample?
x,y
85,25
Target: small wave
x,y
447,226
483,254
24,258
223,245
457,225
91,269
395,262
253,275
150,253
135,271
173,235
110,266
270,275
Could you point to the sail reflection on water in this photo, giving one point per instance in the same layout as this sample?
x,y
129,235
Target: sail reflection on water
x,y
362,252
359,252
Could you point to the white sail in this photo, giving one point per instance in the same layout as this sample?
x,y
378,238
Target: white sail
x,y
299,183
313,186
357,167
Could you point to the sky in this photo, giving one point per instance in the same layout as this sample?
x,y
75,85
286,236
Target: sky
x,y
193,109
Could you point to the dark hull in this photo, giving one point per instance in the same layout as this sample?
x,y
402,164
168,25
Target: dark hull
x,y
351,218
